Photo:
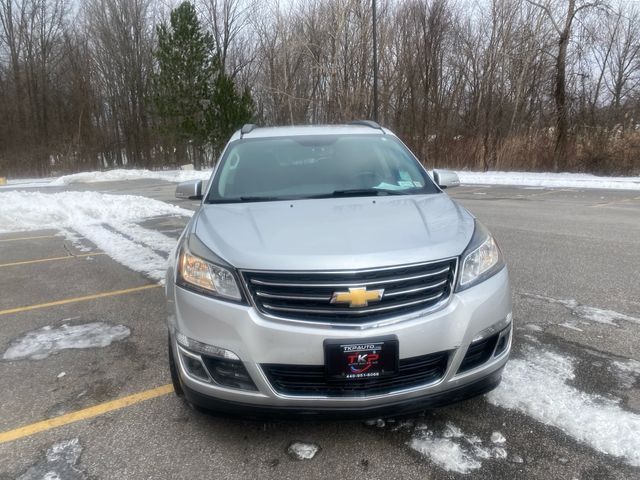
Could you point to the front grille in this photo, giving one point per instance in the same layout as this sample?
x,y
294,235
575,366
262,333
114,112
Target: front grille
x,y
307,295
309,380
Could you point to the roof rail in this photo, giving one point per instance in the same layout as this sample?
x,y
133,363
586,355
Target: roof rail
x,y
246,128
367,123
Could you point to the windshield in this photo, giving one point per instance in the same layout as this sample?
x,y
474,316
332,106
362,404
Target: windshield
x,y
317,166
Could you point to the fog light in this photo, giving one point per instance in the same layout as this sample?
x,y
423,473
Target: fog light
x,y
194,367
229,373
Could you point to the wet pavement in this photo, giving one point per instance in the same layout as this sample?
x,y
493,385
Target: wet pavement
x,y
574,258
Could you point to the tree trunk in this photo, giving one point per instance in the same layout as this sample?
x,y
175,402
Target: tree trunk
x,y
560,96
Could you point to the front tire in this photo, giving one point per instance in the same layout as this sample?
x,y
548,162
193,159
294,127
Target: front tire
x,y
175,377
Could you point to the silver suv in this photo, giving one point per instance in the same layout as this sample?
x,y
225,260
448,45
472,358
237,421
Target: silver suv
x,y
326,272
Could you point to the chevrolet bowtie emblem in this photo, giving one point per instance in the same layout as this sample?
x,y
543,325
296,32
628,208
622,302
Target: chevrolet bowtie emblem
x,y
358,297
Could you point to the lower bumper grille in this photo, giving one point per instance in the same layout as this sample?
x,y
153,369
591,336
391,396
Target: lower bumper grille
x,y
309,380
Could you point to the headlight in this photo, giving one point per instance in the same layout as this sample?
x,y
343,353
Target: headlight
x,y
194,272
481,259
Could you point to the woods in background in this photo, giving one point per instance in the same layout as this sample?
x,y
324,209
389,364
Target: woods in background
x,y
486,84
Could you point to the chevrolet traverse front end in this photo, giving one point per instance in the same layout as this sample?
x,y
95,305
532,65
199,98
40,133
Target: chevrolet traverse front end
x,y
326,272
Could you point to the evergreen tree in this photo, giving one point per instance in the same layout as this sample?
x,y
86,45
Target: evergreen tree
x,y
232,110
196,100
181,83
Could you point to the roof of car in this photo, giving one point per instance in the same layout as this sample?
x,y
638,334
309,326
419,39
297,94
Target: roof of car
x,y
294,130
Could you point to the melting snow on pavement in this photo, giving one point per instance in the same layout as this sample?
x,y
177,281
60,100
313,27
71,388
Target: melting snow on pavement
x,y
302,450
586,312
59,463
47,341
550,180
109,221
627,371
455,450
538,386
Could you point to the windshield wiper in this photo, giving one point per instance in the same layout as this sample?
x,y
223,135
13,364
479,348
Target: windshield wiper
x,y
360,192
244,199
352,192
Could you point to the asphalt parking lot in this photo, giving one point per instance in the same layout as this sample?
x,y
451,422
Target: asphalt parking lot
x,y
573,254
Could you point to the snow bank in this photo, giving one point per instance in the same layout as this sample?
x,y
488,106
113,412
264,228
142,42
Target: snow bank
x,y
23,211
26,182
549,180
538,386
530,179
47,341
108,221
132,174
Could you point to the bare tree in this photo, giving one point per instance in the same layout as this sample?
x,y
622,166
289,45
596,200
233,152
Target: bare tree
x,y
562,25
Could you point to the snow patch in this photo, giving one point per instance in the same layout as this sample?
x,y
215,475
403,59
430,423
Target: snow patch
x,y
549,180
571,326
454,450
47,341
446,453
593,314
59,463
628,366
302,450
628,371
132,174
533,327
538,386
129,253
106,220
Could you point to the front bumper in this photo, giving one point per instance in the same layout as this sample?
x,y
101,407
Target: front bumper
x,y
257,340
390,408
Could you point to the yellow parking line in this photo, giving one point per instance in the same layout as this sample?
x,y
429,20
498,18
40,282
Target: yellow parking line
x,y
78,299
51,259
84,414
26,238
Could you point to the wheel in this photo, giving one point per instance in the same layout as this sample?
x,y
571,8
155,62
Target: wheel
x,y
175,378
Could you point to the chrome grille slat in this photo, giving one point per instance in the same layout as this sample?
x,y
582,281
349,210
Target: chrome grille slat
x,y
329,311
351,284
306,296
319,298
418,289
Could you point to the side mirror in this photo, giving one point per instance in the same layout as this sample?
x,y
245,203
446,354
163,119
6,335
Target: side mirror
x,y
446,178
191,190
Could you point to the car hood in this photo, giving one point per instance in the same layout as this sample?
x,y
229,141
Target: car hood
x,y
335,233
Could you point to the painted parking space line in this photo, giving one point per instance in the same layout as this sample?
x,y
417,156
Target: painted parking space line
x,y
84,414
27,238
85,298
51,259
